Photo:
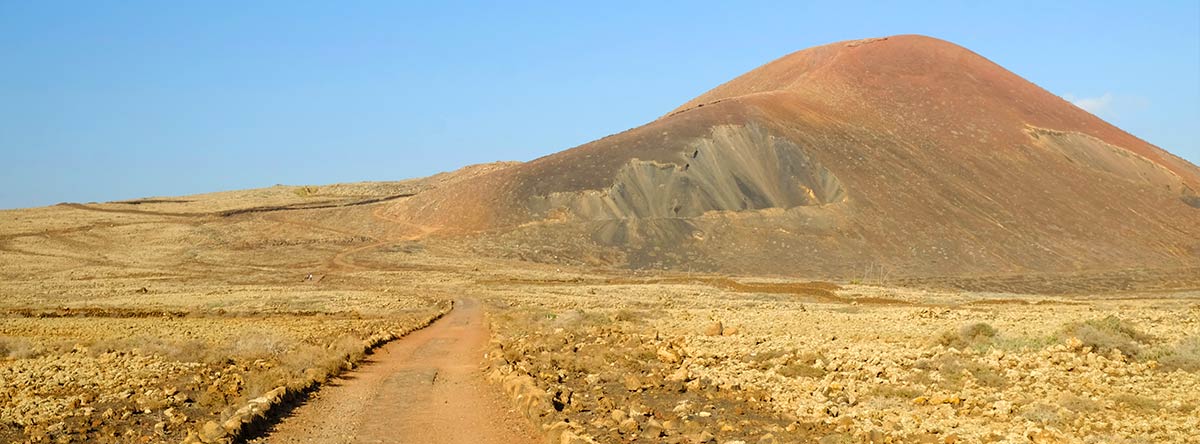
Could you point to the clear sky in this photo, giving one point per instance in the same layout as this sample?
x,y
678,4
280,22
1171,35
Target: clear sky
x,y
107,100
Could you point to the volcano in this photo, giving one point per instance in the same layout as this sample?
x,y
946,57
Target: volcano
x,y
905,153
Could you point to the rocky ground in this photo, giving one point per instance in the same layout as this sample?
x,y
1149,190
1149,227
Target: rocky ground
x,y
690,363
155,379
156,319
176,319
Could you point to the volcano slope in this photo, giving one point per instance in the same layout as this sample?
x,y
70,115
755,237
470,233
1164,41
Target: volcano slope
x,y
906,154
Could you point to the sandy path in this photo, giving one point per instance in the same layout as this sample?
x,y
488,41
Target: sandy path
x,y
425,388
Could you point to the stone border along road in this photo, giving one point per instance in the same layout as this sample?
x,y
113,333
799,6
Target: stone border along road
x,y
424,388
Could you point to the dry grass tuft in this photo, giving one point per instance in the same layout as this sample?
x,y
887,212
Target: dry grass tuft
x,y
977,334
896,391
1183,356
796,369
1107,334
1078,404
954,368
19,348
1137,402
626,315
789,364
1041,413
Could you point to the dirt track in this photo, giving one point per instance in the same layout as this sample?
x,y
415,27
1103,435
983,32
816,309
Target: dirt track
x,y
238,211
424,388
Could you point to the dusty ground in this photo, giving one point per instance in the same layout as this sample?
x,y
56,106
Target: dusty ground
x,y
424,388
143,322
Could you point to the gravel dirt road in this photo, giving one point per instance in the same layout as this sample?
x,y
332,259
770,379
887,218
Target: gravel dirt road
x,y
424,388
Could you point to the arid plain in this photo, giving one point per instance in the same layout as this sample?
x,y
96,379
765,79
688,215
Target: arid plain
x,y
161,320
888,240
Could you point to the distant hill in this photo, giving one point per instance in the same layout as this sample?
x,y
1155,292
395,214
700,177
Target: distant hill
x,y
907,153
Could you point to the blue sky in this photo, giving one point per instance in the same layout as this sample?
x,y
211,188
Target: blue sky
x,y
107,100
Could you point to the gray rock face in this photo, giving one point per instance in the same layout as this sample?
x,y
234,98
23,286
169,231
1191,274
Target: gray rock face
x,y
735,168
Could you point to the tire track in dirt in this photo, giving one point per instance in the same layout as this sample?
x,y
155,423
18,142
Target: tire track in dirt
x,y
84,207
237,211
340,261
61,235
424,388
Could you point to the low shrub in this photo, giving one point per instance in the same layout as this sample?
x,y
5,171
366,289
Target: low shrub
x,y
1184,355
1078,404
976,334
788,363
260,346
896,391
19,348
1137,402
1107,334
1040,413
953,367
796,369
1024,343
627,315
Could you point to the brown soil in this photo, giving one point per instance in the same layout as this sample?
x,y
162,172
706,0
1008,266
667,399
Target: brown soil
x,y
424,388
